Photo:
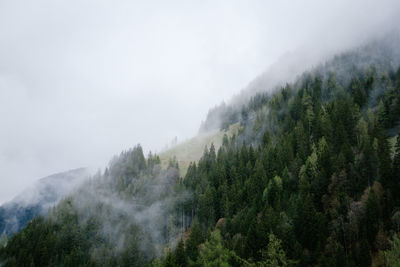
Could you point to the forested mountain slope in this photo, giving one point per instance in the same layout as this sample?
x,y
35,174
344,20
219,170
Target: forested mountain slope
x,y
122,217
38,198
311,179
312,166
378,53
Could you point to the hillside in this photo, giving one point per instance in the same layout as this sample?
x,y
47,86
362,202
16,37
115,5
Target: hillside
x,y
310,177
381,53
38,198
191,150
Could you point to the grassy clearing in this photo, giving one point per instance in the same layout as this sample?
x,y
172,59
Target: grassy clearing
x,y
191,150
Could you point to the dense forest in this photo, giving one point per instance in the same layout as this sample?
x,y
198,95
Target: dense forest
x,y
311,179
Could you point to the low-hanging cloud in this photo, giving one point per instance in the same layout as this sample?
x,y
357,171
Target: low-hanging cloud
x,y
142,209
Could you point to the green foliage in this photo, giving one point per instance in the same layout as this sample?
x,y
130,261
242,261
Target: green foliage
x,y
393,255
180,255
3,240
275,255
194,240
213,253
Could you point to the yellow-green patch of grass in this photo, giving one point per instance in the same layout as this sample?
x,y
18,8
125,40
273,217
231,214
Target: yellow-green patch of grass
x,y
191,150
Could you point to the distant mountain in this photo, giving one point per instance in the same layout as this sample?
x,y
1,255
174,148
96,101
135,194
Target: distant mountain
x,y
38,198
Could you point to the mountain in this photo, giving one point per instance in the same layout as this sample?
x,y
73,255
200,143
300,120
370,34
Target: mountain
x,y
292,66
38,199
309,177
124,216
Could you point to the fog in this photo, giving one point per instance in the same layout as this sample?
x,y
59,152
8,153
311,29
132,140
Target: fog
x,y
149,210
83,80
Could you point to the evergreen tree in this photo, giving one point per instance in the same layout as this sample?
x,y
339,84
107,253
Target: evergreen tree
x,y
194,240
364,258
180,255
275,255
372,215
214,253
393,255
3,240
396,171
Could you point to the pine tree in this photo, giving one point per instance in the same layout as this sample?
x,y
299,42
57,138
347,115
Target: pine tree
x,y
396,171
194,240
275,255
169,260
180,255
3,240
392,256
257,184
372,217
364,258
214,253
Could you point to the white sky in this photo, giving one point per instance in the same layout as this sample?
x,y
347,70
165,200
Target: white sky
x,y
82,80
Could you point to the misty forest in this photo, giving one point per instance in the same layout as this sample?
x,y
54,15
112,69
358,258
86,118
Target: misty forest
x,y
311,177
297,170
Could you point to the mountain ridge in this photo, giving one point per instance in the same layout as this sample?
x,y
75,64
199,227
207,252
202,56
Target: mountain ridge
x,y
38,198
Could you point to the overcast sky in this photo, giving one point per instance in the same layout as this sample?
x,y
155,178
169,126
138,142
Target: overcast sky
x,y
82,80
